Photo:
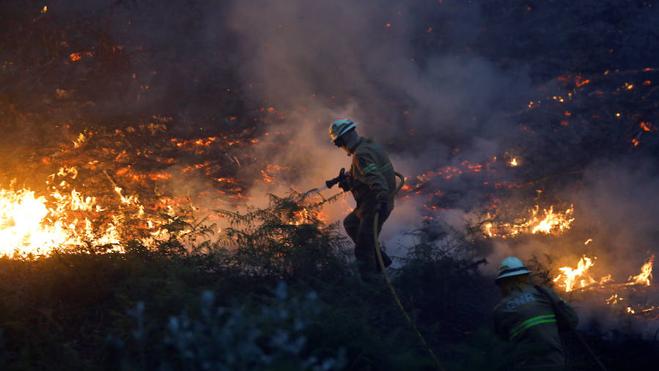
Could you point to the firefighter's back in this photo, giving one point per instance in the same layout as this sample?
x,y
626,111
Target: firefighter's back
x,y
526,318
375,160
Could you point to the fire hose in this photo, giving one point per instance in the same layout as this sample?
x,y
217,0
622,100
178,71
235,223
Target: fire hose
x,y
394,294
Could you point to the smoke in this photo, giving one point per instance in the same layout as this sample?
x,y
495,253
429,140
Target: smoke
x,y
431,105
436,82
318,60
619,204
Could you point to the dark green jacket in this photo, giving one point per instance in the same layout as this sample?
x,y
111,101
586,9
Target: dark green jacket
x,y
373,177
527,318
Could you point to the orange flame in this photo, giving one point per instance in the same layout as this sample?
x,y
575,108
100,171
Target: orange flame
x,y
29,227
547,222
579,277
645,277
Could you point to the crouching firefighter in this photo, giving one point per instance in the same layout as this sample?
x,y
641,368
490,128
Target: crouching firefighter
x,y
372,182
532,318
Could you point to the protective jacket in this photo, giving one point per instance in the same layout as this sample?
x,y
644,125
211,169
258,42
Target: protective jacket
x,y
372,174
372,183
527,317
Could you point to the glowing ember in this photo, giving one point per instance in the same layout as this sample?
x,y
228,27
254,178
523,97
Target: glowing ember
x,y
645,126
77,56
614,299
580,82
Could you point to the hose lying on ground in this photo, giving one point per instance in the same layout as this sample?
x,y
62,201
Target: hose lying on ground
x,y
409,319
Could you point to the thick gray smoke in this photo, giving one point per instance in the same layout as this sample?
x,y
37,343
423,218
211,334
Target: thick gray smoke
x,y
430,104
320,60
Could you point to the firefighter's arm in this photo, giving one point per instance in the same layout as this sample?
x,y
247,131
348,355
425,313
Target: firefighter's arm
x,y
566,314
565,311
371,175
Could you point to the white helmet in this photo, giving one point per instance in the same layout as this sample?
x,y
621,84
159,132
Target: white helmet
x,y
340,127
510,267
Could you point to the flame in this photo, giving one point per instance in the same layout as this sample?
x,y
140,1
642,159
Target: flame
x,y
513,162
79,141
300,217
33,225
28,226
21,223
547,222
645,277
488,229
552,221
579,277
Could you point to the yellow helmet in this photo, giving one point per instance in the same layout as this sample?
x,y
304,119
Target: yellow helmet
x,y
340,127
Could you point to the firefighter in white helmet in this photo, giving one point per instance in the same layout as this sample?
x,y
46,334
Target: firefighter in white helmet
x,y
372,181
531,316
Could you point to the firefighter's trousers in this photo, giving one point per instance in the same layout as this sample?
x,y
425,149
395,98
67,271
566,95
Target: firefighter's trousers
x,y
359,226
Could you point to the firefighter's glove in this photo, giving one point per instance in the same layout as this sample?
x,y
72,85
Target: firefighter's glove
x,y
345,182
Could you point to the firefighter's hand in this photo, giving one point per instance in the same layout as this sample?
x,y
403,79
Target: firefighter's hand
x,y
345,182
